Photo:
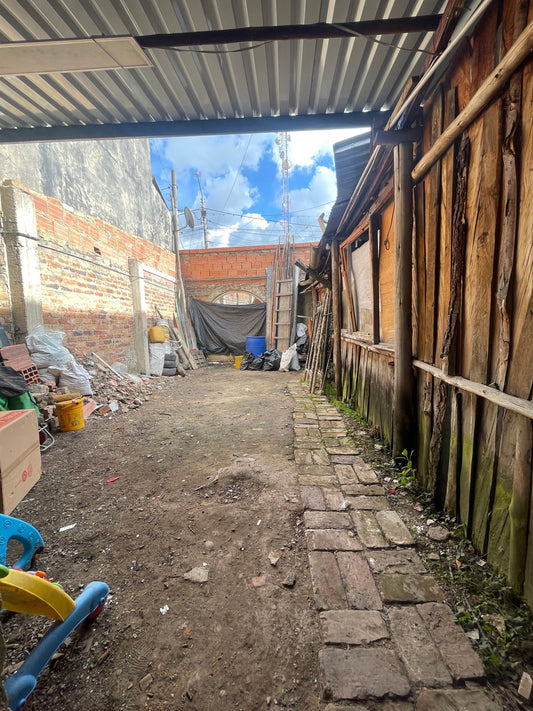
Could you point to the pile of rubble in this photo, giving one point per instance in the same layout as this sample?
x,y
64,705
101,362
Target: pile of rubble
x,y
112,392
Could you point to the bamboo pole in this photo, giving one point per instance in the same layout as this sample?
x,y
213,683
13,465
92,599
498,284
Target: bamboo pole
x,y
493,85
335,293
403,237
510,402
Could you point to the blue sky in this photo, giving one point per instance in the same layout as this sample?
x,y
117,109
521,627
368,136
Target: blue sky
x,y
241,180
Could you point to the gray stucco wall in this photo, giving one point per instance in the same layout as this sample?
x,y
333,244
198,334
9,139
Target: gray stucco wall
x,y
110,180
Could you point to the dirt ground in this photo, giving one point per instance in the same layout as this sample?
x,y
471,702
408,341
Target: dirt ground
x,y
222,644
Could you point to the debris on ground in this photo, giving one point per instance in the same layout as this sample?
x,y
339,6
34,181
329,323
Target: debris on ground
x,y
290,580
197,575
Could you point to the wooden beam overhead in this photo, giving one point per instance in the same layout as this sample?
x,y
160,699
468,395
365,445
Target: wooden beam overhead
x,y
449,19
317,30
493,85
312,273
392,138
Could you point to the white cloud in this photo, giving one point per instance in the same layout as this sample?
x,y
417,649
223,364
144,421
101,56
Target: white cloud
x,y
213,155
231,192
255,219
233,199
322,189
306,147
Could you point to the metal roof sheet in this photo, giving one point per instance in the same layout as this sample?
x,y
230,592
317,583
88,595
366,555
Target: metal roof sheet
x,y
211,89
351,157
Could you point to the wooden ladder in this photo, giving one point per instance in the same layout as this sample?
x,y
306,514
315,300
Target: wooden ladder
x,y
283,313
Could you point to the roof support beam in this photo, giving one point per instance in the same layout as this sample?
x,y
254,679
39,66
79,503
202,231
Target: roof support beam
x,y
207,127
317,30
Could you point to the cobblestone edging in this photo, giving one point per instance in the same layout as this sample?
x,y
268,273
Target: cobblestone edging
x,y
390,640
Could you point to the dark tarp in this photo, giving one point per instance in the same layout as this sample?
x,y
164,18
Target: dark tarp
x,y
12,382
221,328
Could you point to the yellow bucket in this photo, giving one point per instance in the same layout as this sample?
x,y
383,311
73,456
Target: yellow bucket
x,y
238,361
70,415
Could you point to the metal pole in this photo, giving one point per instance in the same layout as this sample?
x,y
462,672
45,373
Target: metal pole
x,y
203,210
176,236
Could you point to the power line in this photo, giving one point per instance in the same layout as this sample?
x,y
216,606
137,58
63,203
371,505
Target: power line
x,y
239,169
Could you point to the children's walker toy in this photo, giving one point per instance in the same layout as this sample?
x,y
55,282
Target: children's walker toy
x,y
31,593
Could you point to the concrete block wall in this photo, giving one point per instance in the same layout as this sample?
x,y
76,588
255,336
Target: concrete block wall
x,y
5,302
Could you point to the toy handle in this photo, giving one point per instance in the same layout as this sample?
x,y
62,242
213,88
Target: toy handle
x,y
19,685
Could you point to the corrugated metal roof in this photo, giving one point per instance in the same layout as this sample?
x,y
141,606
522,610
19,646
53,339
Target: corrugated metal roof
x,y
351,157
339,77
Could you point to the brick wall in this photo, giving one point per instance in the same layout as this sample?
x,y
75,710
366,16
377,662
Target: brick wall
x,y
86,286
85,282
210,273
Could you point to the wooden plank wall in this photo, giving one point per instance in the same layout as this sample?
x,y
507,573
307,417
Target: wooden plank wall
x,y
367,381
473,305
468,447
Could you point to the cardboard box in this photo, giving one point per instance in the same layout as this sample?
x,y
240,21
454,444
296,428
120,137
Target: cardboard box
x,y
20,456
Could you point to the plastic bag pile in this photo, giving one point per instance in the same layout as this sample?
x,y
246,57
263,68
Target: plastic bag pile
x,y
55,362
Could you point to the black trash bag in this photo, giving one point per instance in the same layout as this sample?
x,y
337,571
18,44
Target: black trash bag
x,y
257,363
247,360
272,359
12,383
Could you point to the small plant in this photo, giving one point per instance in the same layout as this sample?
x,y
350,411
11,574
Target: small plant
x,y
407,476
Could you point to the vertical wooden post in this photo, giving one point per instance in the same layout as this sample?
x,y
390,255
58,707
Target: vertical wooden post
x,y
519,506
336,306
403,427
373,241
139,315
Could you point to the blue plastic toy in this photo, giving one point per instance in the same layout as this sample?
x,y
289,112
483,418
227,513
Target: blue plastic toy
x,y
28,536
20,685
26,591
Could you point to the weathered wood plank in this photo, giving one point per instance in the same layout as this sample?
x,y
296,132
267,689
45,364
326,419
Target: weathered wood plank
x,y
432,187
483,227
445,241
386,274
448,352
454,458
519,506
425,425
490,89
468,449
373,237
519,372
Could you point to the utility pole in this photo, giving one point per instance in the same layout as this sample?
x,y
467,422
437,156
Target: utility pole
x,y
180,300
203,211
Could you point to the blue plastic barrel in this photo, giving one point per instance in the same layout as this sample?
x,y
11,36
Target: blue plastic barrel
x,y
256,345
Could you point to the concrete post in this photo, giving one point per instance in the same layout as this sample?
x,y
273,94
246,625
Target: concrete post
x,y
139,315
21,245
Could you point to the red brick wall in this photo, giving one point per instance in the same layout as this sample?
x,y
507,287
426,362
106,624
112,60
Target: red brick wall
x,y
85,282
87,294
210,273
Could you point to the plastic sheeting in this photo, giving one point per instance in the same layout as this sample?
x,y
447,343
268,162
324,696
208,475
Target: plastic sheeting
x,y
223,329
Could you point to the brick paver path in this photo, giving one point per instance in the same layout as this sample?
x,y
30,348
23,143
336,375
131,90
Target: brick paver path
x,y
390,640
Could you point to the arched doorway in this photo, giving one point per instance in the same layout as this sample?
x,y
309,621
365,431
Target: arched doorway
x,y
237,298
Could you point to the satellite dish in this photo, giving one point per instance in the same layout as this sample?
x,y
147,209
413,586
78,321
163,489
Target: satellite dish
x,y
189,217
